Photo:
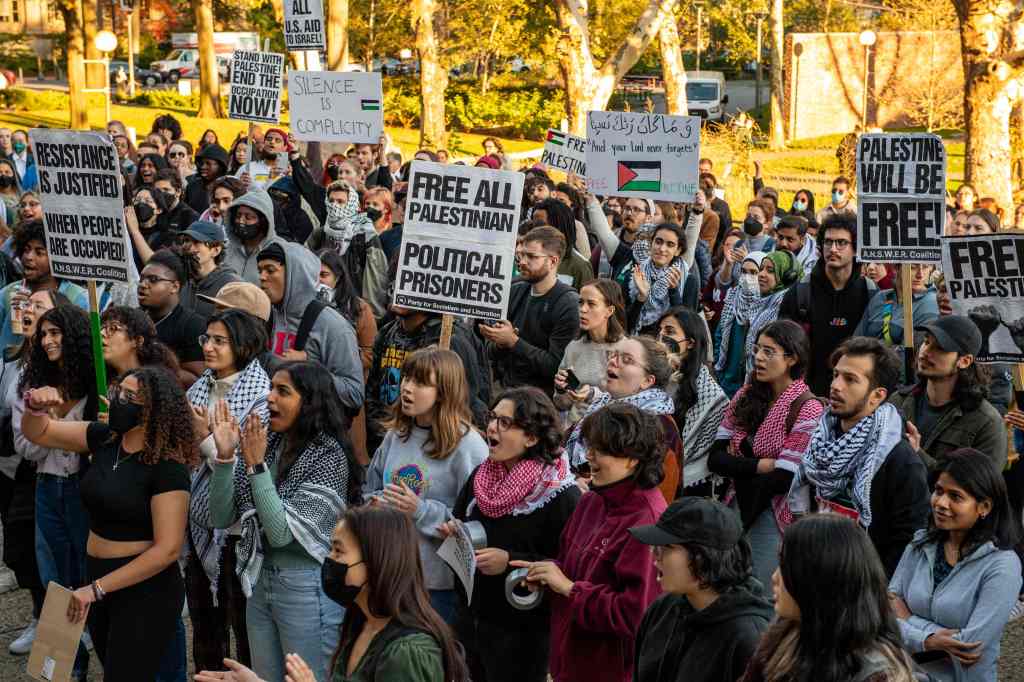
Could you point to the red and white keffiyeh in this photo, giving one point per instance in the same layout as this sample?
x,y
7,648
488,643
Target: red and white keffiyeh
x,y
529,485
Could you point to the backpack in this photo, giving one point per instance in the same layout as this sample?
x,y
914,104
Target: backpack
x,y
797,405
309,318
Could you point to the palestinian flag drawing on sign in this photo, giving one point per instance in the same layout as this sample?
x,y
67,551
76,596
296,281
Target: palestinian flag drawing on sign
x,y
555,137
639,176
370,104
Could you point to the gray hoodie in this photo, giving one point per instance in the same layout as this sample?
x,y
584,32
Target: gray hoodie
x,y
235,256
332,339
974,599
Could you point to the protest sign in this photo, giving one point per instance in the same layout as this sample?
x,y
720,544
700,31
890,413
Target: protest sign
x,y
256,86
459,240
83,212
985,280
901,197
331,106
632,154
304,25
457,552
565,152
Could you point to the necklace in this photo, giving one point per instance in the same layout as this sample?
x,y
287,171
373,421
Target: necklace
x,y
119,459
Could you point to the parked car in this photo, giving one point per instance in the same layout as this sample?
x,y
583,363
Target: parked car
x,y
146,77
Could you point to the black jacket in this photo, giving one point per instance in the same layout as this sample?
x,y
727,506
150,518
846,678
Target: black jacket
x,y
829,320
195,193
180,218
379,177
676,643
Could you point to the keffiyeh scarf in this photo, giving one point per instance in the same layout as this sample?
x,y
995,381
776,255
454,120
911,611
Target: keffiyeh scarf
x,y
699,427
763,312
652,401
838,463
344,222
658,299
736,310
528,486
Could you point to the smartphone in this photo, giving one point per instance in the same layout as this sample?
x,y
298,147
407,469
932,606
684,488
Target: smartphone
x,y
572,382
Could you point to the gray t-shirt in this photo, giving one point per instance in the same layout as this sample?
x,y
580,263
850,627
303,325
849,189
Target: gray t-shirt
x,y
928,416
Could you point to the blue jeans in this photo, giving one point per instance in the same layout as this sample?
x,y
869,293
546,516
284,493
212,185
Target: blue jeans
x,y
62,531
287,613
765,537
174,664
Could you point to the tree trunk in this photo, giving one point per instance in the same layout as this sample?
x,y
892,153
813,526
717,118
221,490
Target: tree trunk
x,y
94,75
209,78
433,77
777,138
337,35
72,12
673,71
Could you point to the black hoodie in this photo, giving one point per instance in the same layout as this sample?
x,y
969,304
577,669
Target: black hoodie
x,y
196,195
676,643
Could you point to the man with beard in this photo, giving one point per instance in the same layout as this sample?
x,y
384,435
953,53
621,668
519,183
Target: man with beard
x,y
947,408
859,463
791,235
371,161
265,168
211,164
543,312
202,249
179,329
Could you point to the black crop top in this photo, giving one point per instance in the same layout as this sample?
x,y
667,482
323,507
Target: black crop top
x,y
118,499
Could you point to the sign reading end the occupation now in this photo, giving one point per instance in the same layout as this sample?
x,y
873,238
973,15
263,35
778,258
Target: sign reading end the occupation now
x,y
901,210
83,213
458,240
256,86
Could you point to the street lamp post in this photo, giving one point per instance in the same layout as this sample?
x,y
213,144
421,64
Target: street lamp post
x,y
867,38
106,43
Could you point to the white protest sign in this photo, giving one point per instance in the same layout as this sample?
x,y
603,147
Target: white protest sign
x,y
985,279
256,86
565,152
901,197
459,240
457,552
304,25
633,154
83,209
332,106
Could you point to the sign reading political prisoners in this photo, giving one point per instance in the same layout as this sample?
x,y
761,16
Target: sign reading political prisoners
x,y
304,25
256,86
985,278
901,202
331,106
83,213
565,152
459,240
642,155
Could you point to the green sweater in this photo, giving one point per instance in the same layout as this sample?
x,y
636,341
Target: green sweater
x,y
281,550
415,657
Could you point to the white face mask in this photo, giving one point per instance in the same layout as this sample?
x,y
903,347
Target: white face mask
x,y
748,283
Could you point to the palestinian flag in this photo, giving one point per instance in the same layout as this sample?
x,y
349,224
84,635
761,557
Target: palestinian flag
x,y
370,104
556,137
639,176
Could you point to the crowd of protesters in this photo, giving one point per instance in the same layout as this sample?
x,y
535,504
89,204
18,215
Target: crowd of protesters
x,y
694,451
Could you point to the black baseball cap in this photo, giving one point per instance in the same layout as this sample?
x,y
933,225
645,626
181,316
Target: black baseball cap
x,y
693,519
954,333
206,232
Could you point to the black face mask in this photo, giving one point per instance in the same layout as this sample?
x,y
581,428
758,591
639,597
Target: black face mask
x,y
144,212
171,198
332,579
124,416
752,227
6,182
332,172
373,214
247,231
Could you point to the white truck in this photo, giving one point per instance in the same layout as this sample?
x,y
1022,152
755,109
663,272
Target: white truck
x,y
183,59
705,95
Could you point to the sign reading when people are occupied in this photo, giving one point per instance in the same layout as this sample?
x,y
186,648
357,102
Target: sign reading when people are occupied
x,y
459,240
565,152
632,154
304,25
901,197
83,210
984,276
256,86
332,106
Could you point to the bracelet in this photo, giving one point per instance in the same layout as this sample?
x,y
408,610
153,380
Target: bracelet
x,y
97,591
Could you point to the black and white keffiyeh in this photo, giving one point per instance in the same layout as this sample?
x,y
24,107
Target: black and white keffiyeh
x,y
699,427
658,299
652,401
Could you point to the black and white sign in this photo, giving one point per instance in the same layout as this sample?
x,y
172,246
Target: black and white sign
x,y
901,204
332,106
304,25
459,240
985,279
83,212
256,86
565,152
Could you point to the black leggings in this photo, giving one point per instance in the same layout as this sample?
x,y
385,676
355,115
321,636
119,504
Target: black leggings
x,y
131,628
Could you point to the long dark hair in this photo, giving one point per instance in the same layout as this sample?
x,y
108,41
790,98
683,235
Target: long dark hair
x,y
561,218
74,373
20,351
345,299
320,416
166,417
971,387
833,573
139,325
390,549
689,370
973,471
753,404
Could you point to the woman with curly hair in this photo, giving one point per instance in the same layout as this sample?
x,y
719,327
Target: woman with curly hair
x,y
59,355
130,341
136,496
523,495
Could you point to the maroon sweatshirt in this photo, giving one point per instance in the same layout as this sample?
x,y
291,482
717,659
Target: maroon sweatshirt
x,y
593,630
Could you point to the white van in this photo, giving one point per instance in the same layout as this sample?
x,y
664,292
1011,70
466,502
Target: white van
x,y
705,95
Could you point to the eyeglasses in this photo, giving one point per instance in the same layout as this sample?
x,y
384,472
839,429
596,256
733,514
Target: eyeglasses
x,y
28,204
523,255
112,328
625,359
153,279
768,352
837,244
504,423
124,395
217,340
633,209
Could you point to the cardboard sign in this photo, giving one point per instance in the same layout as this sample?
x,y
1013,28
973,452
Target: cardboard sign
x,y
83,212
565,152
256,86
985,279
457,552
459,240
901,197
304,25
56,643
633,154
331,106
